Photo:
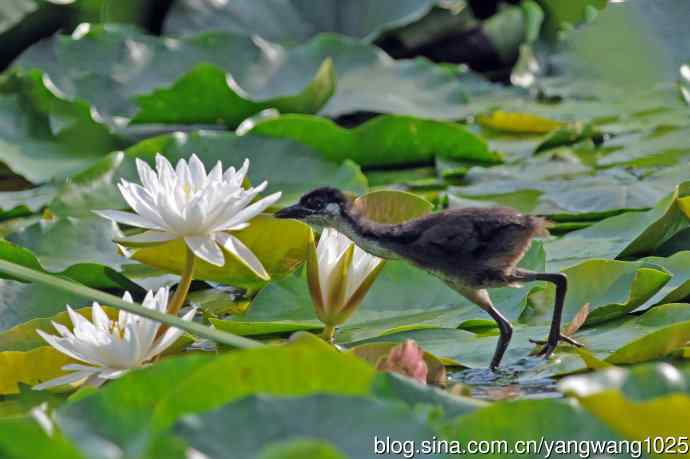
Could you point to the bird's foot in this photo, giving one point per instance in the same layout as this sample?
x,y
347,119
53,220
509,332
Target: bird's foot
x,y
549,346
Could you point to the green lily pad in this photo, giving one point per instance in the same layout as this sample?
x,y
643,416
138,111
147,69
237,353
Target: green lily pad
x,y
295,21
144,402
124,61
221,102
44,134
223,433
538,419
622,341
566,190
395,387
301,447
26,438
382,140
678,287
612,288
628,234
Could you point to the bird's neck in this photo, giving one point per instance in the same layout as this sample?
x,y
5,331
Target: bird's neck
x,y
367,234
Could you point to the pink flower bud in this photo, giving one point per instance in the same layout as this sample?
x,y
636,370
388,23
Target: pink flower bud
x,y
406,359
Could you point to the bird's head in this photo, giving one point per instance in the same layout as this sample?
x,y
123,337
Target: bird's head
x,y
321,207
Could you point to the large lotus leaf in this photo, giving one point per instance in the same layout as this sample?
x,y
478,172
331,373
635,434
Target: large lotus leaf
x,y
220,101
26,438
295,21
628,234
44,134
528,420
31,367
222,433
280,245
109,66
129,412
403,297
382,140
612,288
639,383
288,166
626,340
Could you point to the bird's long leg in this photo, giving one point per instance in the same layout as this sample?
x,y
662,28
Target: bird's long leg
x,y
482,299
560,280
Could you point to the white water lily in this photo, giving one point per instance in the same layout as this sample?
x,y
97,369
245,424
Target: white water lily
x,y
108,348
340,274
186,202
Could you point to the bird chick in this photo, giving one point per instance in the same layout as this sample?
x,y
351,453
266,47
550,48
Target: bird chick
x,y
470,249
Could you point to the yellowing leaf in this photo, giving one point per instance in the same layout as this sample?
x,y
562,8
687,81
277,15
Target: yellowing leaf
x,y
667,416
281,245
30,367
390,206
523,123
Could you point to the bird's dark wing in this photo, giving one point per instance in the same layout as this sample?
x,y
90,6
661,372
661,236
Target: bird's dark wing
x,y
491,237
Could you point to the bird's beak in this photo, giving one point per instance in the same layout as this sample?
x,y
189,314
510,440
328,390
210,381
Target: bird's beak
x,y
296,211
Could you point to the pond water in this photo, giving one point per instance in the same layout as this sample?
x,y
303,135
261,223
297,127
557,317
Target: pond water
x,y
510,382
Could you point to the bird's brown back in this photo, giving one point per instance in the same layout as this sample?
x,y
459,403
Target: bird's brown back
x,y
478,245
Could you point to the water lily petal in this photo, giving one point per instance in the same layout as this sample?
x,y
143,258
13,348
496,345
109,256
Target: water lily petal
x,y
66,346
99,317
152,237
251,211
243,254
62,380
198,171
128,218
147,175
206,248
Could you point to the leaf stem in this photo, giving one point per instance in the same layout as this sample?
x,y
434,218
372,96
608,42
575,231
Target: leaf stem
x,y
182,289
29,275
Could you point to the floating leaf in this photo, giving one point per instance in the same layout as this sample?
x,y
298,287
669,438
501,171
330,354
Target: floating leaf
x,y
220,101
322,417
31,367
382,140
387,206
280,245
295,21
144,402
